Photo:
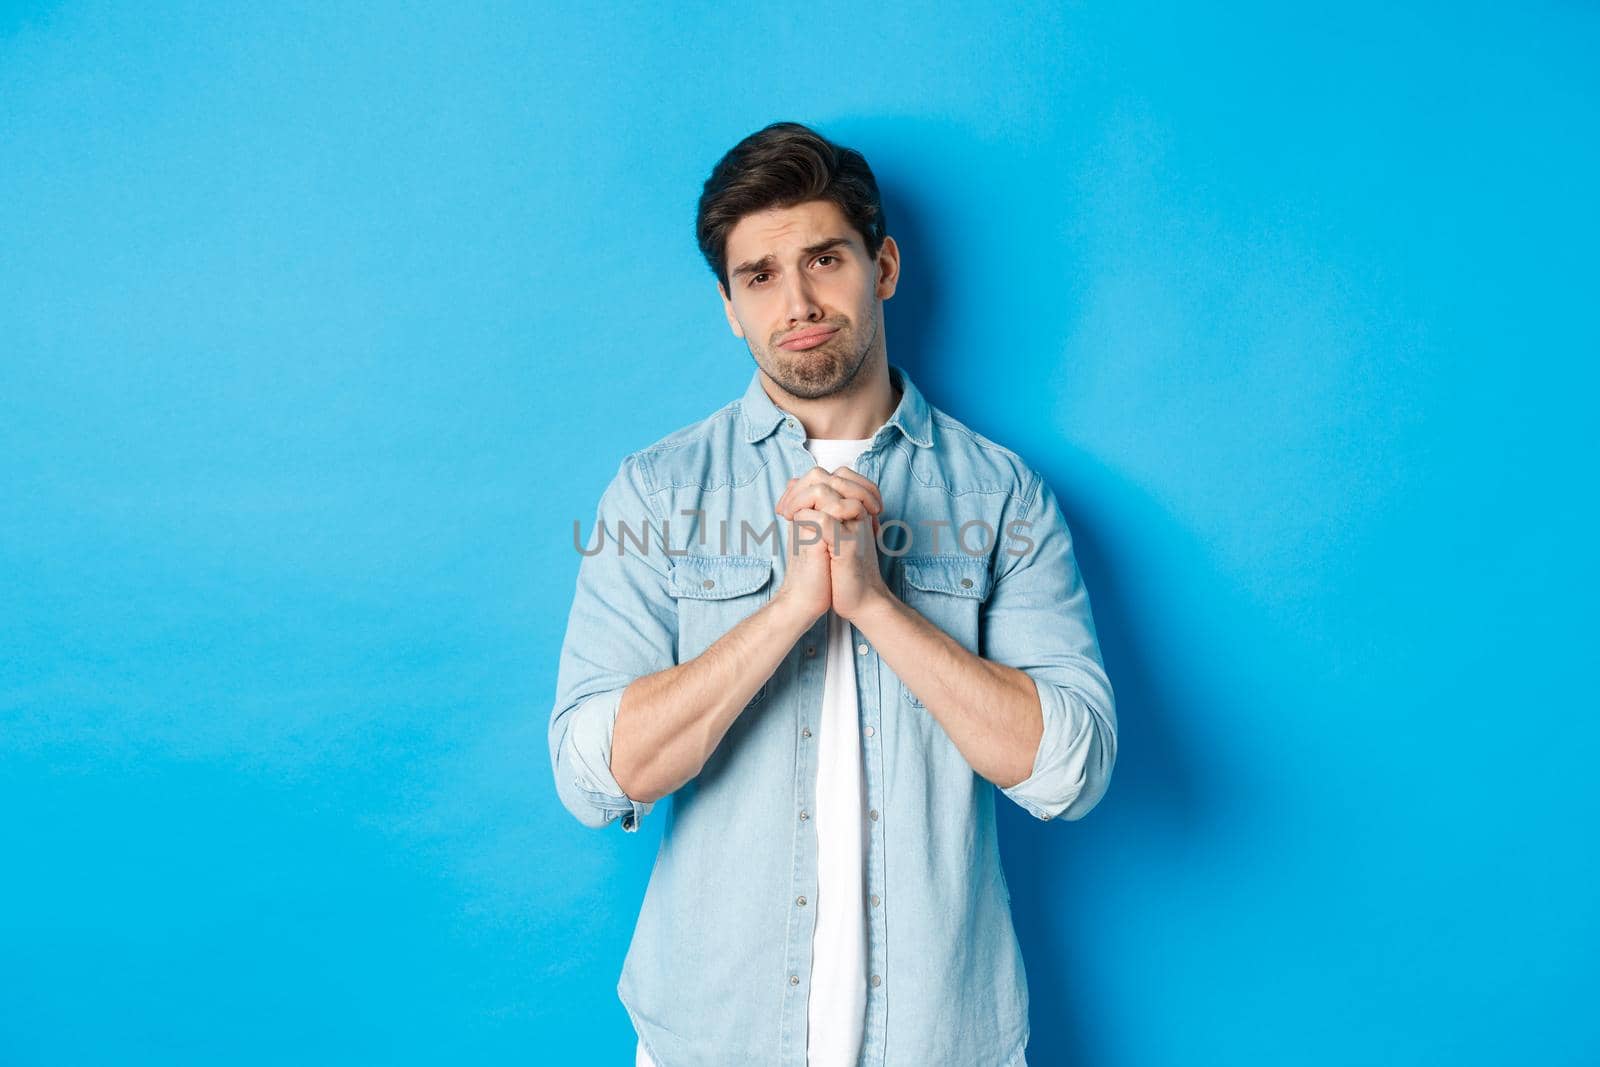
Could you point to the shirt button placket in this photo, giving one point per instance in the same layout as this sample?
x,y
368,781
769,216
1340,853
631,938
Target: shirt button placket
x,y
805,735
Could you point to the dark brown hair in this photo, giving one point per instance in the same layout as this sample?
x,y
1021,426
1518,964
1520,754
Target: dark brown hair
x,y
781,165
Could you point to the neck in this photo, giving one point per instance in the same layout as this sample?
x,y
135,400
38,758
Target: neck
x,y
852,414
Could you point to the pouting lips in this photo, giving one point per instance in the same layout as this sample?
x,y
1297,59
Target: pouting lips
x,y
808,339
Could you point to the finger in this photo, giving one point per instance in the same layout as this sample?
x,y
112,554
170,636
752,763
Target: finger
x,y
863,482
804,516
835,537
811,496
783,506
819,496
794,495
815,475
843,510
817,485
855,490
807,528
838,507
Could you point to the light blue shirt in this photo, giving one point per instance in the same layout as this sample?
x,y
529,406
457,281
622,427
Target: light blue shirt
x,y
718,970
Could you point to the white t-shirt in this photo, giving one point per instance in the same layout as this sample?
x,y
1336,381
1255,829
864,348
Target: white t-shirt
x,y
838,1005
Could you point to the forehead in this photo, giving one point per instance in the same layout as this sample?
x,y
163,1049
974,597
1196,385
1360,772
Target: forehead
x,y
780,229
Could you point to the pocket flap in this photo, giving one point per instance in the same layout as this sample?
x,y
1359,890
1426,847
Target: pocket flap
x,y
961,575
719,577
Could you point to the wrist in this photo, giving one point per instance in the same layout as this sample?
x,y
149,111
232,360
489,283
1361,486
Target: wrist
x,y
793,615
874,607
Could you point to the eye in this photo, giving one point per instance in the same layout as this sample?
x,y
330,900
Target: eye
x,y
753,278
827,255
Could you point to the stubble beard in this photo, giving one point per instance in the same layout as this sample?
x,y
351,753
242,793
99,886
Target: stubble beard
x,y
829,368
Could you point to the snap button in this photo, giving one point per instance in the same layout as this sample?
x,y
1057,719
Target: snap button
x,y
794,979
804,814
966,583
870,731
862,648
805,731
876,981
811,650
874,900
800,901
873,814
707,584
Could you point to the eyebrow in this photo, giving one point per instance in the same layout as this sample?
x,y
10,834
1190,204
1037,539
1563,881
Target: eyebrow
x,y
767,262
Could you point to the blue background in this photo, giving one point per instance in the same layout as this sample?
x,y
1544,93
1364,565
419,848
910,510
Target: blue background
x,y
318,330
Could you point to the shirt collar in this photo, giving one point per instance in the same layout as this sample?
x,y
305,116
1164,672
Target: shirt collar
x,y
911,416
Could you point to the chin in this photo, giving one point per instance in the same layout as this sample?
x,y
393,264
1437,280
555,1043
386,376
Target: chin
x,y
810,373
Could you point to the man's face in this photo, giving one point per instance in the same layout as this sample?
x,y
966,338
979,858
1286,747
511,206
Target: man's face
x,y
802,269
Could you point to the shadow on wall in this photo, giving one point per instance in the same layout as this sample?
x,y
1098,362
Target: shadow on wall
x,y
1065,874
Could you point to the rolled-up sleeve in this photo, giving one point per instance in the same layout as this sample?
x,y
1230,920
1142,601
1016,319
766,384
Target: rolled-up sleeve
x,y
622,626
1037,619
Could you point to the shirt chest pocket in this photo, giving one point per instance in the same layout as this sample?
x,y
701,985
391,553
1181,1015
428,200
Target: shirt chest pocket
x,y
714,594
949,592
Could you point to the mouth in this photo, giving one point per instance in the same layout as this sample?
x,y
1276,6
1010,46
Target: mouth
x,y
808,338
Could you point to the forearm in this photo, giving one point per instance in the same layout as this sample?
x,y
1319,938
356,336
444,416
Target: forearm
x,y
669,723
989,711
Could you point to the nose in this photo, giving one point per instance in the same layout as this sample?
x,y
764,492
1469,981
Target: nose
x,y
802,304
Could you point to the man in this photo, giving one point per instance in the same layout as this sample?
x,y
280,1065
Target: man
x,y
825,619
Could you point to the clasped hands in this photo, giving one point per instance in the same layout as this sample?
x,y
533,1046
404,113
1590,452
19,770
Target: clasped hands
x,y
831,541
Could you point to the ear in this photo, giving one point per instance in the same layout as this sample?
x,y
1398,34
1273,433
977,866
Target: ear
x,y
888,268
727,309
